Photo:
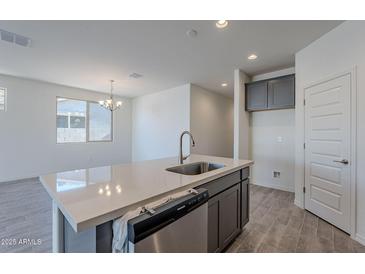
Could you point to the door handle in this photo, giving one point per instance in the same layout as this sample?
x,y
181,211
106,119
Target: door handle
x,y
343,161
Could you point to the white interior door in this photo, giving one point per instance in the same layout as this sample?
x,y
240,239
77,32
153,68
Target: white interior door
x,y
327,150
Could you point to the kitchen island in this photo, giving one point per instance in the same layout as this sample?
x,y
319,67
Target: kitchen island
x,y
86,201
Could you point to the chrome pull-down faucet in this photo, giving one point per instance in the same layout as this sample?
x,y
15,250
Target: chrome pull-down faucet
x,y
181,156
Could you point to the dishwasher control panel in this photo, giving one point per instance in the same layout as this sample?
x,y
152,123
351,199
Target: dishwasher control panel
x,y
145,224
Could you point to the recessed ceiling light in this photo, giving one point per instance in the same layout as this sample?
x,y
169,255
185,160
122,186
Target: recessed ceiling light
x,y
221,24
224,84
192,33
252,57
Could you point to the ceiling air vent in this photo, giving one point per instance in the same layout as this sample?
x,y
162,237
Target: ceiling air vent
x,y
14,38
135,75
7,36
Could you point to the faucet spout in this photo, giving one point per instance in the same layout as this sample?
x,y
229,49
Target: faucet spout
x,y
181,155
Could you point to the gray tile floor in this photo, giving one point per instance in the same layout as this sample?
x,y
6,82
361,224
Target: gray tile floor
x,y
276,224
25,217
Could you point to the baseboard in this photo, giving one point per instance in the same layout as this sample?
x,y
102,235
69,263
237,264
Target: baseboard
x,y
298,203
284,188
19,180
359,238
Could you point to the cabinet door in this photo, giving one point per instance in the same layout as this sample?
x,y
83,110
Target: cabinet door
x,y
245,202
256,96
229,215
213,224
281,93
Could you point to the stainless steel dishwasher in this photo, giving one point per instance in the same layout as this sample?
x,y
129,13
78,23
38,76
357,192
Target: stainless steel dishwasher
x,y
178,226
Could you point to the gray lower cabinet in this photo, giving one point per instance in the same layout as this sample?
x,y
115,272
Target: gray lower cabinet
x,y
245,202
229,213
228,208
224,220
213,225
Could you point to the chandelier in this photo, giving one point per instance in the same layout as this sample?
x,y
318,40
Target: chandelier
x,y
110,104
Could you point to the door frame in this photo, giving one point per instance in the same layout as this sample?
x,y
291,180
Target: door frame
x,y
353,139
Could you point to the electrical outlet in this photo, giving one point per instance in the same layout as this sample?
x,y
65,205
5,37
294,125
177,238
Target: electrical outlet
x,y
276,174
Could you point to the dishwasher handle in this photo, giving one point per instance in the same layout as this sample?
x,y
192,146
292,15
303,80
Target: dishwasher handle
x,y
146,224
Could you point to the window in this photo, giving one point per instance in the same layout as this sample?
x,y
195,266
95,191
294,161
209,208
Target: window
x,y
100,123
62,121
71,117
82,121
2,99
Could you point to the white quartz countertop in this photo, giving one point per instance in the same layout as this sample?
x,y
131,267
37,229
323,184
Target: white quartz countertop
x,y
89,197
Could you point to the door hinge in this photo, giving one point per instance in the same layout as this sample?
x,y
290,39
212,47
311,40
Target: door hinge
x,y
303,189
304,102
304,145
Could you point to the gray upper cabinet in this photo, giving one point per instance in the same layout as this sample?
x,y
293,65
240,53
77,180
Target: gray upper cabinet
x,y
256,96
281,93
277,93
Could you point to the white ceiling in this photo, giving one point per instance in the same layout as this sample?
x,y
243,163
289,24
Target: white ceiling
x,y
87,54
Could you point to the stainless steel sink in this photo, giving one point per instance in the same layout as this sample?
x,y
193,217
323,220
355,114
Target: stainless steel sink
x,y
195,168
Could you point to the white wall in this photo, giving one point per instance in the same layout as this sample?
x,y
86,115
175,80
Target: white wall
x,y
158,120
211,122
241,146
28,132
272,148
273,74
339,50
272,142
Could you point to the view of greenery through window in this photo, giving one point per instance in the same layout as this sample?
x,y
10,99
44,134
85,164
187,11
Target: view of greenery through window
x,y
82,121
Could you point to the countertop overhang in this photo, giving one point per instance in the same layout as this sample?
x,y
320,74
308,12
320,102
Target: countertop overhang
x,y
89,197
